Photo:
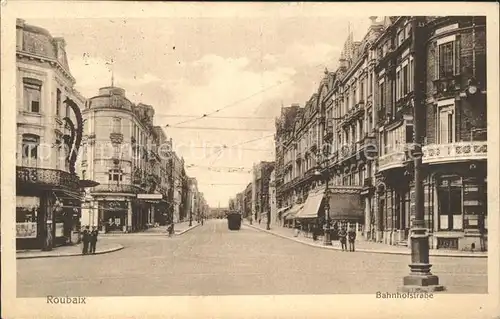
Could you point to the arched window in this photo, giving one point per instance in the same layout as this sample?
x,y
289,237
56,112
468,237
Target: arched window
x,y
30,145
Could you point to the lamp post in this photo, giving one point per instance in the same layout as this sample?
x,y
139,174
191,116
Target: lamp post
x,y
323,174
191,209
268,210
420,277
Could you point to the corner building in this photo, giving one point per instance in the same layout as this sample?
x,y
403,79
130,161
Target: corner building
x,y
120,151
455,150
48,137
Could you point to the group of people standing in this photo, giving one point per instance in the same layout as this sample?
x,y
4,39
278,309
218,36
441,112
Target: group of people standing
x,y
344,236
89,239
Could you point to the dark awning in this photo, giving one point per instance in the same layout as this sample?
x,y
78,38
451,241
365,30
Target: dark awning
x,y
345,206
312,204
68,194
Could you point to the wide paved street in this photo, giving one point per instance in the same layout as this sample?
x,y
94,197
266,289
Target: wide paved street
x,y
211,260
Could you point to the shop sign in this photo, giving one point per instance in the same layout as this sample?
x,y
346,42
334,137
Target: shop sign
x,y
26,230
59,229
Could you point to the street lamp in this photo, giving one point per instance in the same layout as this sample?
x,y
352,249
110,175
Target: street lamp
x,y
191,210
324,175
268,224
420,277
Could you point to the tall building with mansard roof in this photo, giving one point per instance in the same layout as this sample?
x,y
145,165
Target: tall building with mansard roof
x,y
49,132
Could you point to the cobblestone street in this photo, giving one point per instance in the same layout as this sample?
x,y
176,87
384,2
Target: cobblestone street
x,y
211,260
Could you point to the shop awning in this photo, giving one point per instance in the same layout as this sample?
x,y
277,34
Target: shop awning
x,y
312,204
283,209
67,194
345,206
150,198
290,214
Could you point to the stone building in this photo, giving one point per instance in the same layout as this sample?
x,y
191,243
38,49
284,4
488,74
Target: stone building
x,y
120,151
177,177
49,133
247,202
450,52
455,150
260,197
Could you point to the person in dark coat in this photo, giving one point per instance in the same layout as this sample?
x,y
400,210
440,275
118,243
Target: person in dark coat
x,y
343,238
352,238
86,240
93,239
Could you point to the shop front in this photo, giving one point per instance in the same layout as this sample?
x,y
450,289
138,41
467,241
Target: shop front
x,y
456,207
346,208
47,207
113,214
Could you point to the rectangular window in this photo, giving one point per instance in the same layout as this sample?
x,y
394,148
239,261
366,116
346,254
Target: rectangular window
x,y
446,124
115,175
446,59
409,133
117,125
401,37
450,207
382,94
405,76
84,173
30,144
398,85
412,72
32,96
58,102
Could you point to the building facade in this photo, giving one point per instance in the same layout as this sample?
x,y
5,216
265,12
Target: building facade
x,y
49,133
120,151
273,208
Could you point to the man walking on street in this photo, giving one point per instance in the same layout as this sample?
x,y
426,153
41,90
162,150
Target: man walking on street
x,y
352,238
85,240
93,239
343,239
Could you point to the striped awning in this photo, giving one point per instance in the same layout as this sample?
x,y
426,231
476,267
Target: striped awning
x,y
290,214
312,204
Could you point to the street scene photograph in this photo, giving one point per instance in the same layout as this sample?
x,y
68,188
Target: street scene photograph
x,y
251,156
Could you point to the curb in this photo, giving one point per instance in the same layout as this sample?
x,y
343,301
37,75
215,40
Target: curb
x,y
159,234
188,229
106,251
387,252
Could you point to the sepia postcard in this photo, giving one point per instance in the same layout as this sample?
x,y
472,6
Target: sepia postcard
x,y
249,160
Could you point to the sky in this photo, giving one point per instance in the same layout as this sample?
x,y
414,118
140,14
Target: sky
x,y
247,68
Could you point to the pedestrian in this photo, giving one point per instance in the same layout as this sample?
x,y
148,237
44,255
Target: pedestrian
x,y
343,238
85,240
352,238
93,239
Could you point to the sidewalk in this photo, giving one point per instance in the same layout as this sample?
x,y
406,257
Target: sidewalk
x,y
361,245
103,247
179,228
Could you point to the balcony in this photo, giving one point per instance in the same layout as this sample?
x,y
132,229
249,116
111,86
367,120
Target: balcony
x,y
44,177
392,160
455,152
116,188
116,138
446,86
354,112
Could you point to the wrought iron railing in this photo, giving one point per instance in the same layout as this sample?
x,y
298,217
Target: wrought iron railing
x,y
45,176
453,152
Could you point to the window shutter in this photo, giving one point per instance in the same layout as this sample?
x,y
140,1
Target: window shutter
x,y
457,55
